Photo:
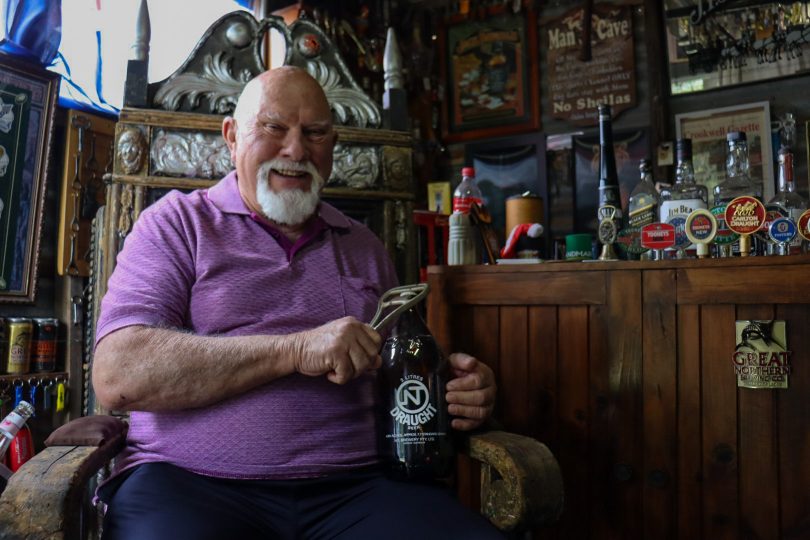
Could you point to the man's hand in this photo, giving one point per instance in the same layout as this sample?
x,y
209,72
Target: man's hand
x,y
471,394
342,350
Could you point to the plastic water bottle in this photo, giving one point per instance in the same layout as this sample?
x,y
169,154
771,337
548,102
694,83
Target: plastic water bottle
x,y
467,192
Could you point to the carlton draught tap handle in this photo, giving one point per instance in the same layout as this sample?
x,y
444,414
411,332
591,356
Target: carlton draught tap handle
x,y
403,297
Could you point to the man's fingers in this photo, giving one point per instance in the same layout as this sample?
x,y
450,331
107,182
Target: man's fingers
x,y
463,424
467,381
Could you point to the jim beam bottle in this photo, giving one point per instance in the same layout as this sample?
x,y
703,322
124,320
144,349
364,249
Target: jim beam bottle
x,y
415,436
786,203
609,212
738,183
684,196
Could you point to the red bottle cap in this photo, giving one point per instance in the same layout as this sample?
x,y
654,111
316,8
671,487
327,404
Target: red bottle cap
x,y
468,171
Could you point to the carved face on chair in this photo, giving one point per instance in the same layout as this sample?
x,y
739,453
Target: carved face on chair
x,y
281,139
131,150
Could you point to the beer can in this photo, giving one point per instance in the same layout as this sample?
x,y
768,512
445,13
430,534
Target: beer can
x,y
43,345
18,338
3,344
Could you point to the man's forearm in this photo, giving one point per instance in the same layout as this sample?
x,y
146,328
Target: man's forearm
x,y
149,369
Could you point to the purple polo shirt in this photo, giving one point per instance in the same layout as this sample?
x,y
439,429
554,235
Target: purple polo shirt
x,y
200,262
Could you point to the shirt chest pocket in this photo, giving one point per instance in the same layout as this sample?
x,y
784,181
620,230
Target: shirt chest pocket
x,y
360,297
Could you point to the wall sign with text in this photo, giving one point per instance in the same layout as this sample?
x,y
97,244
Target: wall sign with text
x,y
761,358
577,87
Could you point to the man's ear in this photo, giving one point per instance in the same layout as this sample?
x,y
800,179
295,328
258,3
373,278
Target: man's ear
x,y
229,134
335,139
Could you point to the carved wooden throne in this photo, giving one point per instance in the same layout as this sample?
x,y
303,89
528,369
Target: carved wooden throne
x,y
168,137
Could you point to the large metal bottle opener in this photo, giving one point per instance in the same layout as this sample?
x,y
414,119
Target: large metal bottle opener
x,y
403,297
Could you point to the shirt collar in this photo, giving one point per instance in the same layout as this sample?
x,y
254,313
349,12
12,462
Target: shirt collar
x,y
226,197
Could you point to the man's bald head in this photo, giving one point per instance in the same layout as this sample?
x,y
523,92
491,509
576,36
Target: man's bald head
x,y
267,82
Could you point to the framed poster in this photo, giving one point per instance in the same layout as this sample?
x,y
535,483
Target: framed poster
x,y
708,130
27,105
489,76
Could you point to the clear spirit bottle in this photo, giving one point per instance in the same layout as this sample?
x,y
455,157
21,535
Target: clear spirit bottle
x,y
684,196
787,202
738,182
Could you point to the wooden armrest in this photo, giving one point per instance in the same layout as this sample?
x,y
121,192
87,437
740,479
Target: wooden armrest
x,y
43,498
521,482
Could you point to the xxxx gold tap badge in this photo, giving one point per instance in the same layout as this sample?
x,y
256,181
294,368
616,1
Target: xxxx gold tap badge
x,y
761,358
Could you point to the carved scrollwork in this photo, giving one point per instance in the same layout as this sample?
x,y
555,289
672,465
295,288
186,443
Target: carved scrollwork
x,y
351,107
190,154
397,168
215,81
356,166
131,150
125,203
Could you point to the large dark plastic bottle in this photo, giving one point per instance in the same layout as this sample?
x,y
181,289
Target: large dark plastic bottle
x,y
415,432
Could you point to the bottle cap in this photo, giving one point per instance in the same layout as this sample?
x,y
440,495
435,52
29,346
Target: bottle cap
x,y
735,136
467,171
604,110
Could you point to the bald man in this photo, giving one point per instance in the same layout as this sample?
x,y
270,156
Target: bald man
x,y
234,331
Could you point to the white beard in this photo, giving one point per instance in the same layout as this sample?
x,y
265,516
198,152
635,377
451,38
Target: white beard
x,y
290,206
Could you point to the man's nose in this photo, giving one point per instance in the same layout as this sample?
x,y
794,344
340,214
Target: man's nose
x,y
295,147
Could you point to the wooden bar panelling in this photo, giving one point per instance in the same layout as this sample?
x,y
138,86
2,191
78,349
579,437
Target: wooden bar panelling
x,y
602,457
719,413
793,408
689,437
542,374
485,338
521,288
659,367
633,388
757,285
624,357
514,369
759,437
573,454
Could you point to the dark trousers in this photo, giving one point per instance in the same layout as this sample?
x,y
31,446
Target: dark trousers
x,y
159,501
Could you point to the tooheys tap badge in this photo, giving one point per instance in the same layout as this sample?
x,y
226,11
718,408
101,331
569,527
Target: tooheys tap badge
x,y
761,358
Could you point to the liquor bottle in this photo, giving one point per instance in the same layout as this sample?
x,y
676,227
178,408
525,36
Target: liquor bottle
x,y
684,196
415,424
738,182
467,192
642,209
609,194
786,202
9,428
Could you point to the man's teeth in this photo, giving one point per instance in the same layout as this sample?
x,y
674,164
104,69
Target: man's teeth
x,y
290,172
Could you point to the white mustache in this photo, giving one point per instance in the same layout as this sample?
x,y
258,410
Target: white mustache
x,y
282,165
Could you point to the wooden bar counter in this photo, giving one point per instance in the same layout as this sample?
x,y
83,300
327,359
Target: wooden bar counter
x,y
624,370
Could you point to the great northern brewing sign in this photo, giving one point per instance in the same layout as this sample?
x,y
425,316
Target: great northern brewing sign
x,y
577,87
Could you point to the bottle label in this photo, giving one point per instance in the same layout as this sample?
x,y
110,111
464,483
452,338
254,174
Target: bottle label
x,y
463,204
642,216
413,407
683,208
11,424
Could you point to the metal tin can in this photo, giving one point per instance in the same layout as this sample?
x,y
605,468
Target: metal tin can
x,y
3,343
18,337
43,345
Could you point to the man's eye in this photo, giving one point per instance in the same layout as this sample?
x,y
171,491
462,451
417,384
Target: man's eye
x,y
317,135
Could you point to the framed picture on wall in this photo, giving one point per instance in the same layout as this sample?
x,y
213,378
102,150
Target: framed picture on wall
x,y
489,76
27,105
708,130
